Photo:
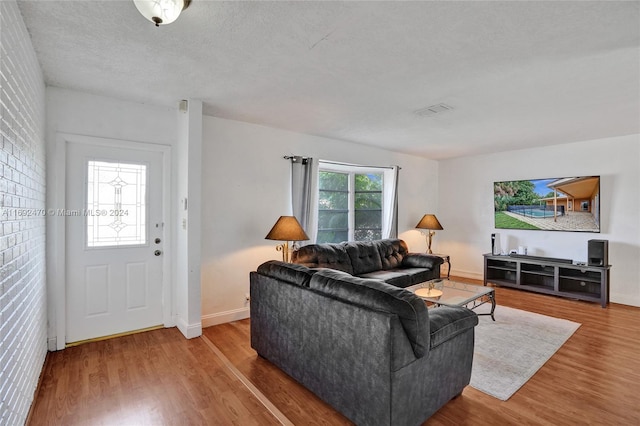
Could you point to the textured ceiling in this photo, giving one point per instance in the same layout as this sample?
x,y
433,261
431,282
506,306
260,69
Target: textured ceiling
x,y
518,74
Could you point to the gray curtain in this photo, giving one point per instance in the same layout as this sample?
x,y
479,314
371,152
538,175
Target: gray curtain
x,y
301,194
393,225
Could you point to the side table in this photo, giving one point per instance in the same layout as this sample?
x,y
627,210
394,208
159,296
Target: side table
x,y
447,260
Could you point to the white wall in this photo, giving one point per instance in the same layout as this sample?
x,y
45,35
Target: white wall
x,y
246,187
467,214
71,111
23,306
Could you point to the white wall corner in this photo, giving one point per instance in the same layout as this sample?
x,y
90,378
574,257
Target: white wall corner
x,y
189,331
194,212
52,344
188,226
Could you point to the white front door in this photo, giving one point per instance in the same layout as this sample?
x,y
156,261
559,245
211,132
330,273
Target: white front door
x,y
114,240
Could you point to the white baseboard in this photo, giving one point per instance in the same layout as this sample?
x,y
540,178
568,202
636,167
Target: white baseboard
x,y
624,299
466,274
224,317
52,344
189,330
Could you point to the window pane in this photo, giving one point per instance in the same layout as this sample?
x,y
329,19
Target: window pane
x,y
333,207
116,204
367,234
328,219
368,219
369,182
332,236
329,200
368,207
333,181
368,200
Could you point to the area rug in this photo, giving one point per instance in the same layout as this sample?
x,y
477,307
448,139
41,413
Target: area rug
x,y
509,351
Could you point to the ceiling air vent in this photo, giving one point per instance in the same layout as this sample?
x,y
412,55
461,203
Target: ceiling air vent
x,y
433,110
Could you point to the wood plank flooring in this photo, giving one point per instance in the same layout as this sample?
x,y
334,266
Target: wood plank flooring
x,y
159,378
152,378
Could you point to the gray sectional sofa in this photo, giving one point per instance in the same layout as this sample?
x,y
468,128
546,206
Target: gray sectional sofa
x,y
370,349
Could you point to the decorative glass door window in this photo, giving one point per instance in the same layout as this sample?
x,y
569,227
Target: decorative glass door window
x,y
116,204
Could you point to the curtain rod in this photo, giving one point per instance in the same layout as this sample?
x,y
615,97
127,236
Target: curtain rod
x,y
293,157
337,163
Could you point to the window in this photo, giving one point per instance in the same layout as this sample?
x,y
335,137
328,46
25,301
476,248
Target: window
x,y
351,203
116,204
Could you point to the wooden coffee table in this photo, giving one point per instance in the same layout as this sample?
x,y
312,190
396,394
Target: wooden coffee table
x,y
453,293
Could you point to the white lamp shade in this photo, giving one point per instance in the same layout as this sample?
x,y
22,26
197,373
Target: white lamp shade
x,y
160,12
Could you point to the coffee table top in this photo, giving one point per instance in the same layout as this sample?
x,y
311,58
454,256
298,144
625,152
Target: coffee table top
x,y
453,293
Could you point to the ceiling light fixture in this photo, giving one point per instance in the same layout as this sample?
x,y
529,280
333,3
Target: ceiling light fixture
x,y
161,12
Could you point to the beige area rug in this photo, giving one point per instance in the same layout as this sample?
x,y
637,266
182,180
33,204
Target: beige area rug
x,y
509,351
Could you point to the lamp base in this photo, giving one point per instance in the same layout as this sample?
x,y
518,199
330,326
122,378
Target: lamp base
x,y
430,235
284,248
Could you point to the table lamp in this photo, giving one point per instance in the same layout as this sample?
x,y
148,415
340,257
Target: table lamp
x,y
287,228
430,222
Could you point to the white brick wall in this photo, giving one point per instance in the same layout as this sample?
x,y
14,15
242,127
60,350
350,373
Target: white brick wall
x,y
23,323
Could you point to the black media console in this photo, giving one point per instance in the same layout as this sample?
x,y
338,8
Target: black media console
x,y
559,277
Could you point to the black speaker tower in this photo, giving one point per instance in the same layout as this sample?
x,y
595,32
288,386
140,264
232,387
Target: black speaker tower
x,y
598,252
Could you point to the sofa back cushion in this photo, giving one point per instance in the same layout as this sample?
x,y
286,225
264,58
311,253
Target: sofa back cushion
x,y
289,272
333,256
392,252
364,256
379,296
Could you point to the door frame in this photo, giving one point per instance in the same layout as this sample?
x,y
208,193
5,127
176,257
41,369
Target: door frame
x,y
57,274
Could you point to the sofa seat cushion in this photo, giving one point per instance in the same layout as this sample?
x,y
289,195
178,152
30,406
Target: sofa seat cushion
x,y
289,272
401,277
332,256
446,322
380,296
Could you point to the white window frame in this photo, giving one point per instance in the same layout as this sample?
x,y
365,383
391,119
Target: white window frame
x,y
352,170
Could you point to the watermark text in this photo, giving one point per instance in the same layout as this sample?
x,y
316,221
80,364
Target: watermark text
x,y
10,212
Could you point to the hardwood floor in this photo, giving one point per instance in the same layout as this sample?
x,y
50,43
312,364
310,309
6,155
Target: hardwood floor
x,y
158,377
152,378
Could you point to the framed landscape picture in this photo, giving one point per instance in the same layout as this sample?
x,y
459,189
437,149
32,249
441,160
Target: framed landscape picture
x,y
556,204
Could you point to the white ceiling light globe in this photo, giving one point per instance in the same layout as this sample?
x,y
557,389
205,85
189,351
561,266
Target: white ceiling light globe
x,y
160,12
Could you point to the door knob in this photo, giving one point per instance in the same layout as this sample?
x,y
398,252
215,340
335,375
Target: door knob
x,y
157,252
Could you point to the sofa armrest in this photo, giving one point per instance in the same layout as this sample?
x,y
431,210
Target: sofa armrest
x,y
421,260
446,322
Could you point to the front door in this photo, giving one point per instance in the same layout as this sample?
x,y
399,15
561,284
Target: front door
x,y
114,240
